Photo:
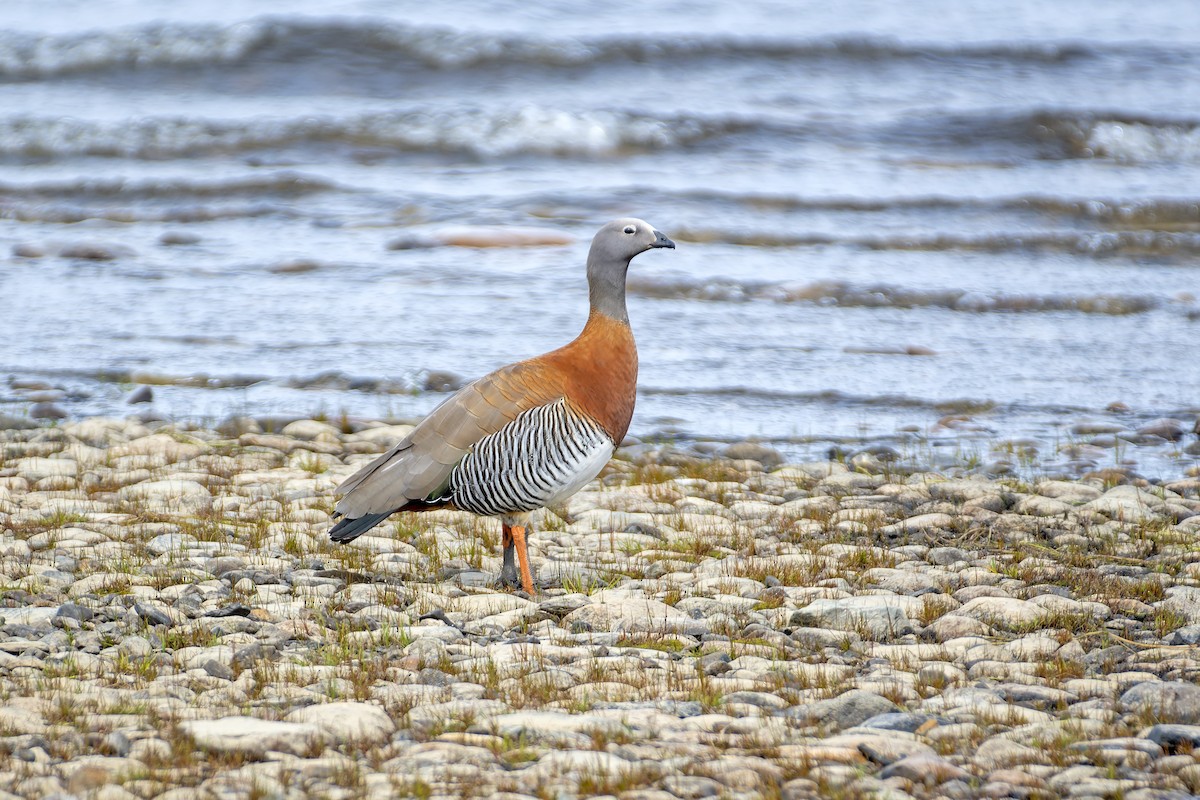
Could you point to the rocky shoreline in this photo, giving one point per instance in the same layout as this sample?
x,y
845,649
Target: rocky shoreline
x,y
176,625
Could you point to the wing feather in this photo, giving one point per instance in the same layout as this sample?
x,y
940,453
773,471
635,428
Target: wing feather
x,y
419,466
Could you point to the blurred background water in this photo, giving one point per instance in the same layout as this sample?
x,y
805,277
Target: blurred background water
x,y
956,229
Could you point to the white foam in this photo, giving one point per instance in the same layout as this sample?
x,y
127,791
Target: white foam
x,y
1137,142
530,130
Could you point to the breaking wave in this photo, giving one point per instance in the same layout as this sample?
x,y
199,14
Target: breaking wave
x,y
1123,138
1056,134
1143,213
26,56
841,294
284,183
530,130
1116,243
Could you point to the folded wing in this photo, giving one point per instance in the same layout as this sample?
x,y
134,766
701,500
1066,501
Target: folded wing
x,y
416,472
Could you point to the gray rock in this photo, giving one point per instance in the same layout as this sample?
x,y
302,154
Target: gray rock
x,y
942,556
175,238
1159,794
897,721
1184,600
94,251
1004,612
714,663
563,604
691,787
620,614
998,752
1166,428
880,617
752,451
236,426
440,381
170,542
1169,701
10,423
925,769
28,615
253,737
1171,737
348,722
47,411
954,626
218,670
244,657
884,750
846,710
26,250
152,615
1189,634
75,611
116,743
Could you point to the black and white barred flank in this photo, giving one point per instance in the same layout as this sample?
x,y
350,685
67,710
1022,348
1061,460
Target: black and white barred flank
x,y
542,456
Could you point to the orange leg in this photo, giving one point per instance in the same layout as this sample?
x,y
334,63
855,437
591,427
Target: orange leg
x,y
518,539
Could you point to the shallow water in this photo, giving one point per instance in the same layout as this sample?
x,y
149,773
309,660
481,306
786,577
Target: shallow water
x,y
886,217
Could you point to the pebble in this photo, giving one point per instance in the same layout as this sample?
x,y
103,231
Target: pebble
x,y
348,722
251,736
172,611
1167,701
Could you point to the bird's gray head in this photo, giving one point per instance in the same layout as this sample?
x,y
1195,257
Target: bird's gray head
x,y
612,249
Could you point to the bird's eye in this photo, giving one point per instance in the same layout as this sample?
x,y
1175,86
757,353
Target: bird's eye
x,y
630,229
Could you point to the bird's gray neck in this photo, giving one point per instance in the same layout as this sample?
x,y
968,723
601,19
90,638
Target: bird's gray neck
x,y
606,288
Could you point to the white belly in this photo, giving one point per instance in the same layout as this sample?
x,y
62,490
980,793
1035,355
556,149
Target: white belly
x,y
586,470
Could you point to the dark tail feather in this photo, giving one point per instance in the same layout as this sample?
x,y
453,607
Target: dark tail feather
x,y
349,529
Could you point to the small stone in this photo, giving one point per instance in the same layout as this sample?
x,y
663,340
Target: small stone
x,y
244,657
75,611
1003,612
954,626
439,381
1168,429
613,612
171,543
1168,701
92,251
175,238
250,736
28,251
897,721
218,670
886,750
348,722
142,394
846,710
997,752
116,743
1184,600
944,556
714,663
692,787
881,617
752,451
927,769
152,615
47,411
563,604
231,610
135,646
309,430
